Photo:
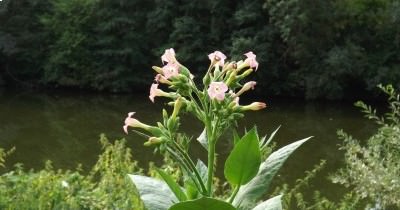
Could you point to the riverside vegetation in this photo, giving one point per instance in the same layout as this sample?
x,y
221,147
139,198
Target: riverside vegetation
x,y
371,167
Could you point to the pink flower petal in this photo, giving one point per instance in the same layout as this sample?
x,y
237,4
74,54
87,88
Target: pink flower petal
x,y
168,56
217,56
170,70
217,90
251,60
153,92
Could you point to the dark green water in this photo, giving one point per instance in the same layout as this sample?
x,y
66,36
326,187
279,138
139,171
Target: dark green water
x,y
64,127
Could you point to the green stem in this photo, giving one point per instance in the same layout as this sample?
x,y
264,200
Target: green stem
x,y
189,161
211,157
234,193
184,166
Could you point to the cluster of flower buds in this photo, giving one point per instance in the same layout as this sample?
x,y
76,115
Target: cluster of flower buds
x,y
221,81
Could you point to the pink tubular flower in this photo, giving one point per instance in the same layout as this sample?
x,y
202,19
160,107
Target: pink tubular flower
x,y
168,56
170,70
132,122
217,90
246,87
251,60
154,91
217,57
255,106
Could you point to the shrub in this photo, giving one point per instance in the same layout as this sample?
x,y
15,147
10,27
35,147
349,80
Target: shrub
x,y
106,186
372,168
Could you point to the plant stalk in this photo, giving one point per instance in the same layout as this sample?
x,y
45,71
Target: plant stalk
x,y
234,193
211,159
189,161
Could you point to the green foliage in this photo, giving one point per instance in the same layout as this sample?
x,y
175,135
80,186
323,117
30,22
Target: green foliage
x,y
310,48
251,192
105,187
23,41
340,48
96,44
69,62
372,168
244,160
371,173
294,196
3,156
175,188
201,204
154,193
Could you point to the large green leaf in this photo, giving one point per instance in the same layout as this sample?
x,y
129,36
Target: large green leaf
x,y
176,189
245,159
250,193
203,203
155,194
274,203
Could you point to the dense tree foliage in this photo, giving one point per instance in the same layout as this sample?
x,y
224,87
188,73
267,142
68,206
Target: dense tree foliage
x,y
307,48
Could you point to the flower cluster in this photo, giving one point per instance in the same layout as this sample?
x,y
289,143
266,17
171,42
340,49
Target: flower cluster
x,y
220,95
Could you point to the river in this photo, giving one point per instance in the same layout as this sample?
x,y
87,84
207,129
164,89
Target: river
x,y
64,127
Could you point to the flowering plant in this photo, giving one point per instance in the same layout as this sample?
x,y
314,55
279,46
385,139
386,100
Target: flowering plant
x,y
217,106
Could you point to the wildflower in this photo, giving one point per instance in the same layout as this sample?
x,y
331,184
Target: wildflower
x,y
246,87
170,70
154,91
169,56
217,90
217,57
132,122
255,106
251,60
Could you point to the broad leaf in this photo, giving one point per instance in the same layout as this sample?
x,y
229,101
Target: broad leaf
x,y
245,159
203,203
274,203
203,139
155,194
176,189
250,193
